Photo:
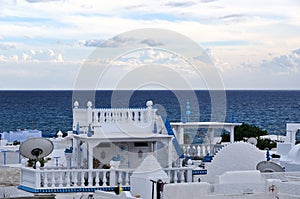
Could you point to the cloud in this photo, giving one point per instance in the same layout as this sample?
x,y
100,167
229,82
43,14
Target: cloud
x,y
151,42
40,1
284,63
6,46
40,55
180,4
119,41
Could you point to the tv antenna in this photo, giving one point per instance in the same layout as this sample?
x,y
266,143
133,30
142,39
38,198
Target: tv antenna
x,y
36,148
267,166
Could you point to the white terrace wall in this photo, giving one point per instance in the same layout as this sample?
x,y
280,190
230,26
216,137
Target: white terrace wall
x,y
116,119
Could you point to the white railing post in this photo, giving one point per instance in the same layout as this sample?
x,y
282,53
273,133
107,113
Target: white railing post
x,y
189,174
97,179
68,178
52,179
37,177
90,179
60,181
120,178
112,178
175,176
82,179
126,178
104,180
182,176
74,177
46,179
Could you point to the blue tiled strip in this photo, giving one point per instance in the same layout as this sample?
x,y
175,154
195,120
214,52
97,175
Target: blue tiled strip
x,y
68,190
199,172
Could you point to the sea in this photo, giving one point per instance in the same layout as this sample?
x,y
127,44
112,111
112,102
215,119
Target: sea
x,y
51,111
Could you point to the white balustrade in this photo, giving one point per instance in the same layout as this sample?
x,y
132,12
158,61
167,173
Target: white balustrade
x,y
62,178
120,115
180,174
68,178
200,150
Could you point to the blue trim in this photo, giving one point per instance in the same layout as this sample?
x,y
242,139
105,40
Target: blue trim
x,y
68,190
199,172
174,140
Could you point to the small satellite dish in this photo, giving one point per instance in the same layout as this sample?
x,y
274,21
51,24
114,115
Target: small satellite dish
x,y
35,148
252,140
267,166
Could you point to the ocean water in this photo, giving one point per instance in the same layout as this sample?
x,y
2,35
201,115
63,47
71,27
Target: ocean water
x,y
51,111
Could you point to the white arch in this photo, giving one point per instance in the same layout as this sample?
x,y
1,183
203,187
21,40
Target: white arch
x,y
291,130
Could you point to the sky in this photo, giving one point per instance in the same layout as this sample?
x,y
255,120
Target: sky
x,y
254,44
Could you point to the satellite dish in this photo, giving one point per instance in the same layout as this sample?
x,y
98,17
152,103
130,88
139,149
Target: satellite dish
x,y
35,148
252,140
266,166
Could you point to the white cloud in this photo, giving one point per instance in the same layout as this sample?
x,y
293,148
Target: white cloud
x,y
4,46
237,31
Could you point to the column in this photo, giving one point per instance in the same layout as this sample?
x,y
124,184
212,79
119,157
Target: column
x,y
231,134
181,135
170,154
90,155
211,140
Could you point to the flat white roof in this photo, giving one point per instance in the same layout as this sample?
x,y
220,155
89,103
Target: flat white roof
x,y
125,136
205,124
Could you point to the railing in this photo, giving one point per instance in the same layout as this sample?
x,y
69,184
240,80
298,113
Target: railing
x,y
200,150
77,178
120,115
180,174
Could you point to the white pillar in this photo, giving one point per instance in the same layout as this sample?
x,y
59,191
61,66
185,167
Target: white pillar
x,y
90,155
78,153
231,134
211,139
89,112
170,148
181,135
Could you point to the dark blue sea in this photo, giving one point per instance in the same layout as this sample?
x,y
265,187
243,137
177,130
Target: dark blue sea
x,y
51,111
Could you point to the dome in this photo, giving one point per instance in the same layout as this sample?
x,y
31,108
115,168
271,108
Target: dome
x,y
239,156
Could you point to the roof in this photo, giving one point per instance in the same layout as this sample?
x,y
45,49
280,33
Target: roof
x,y
119,136
205,124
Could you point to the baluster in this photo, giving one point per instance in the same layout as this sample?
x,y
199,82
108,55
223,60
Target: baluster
x,y
52,179
60,180
104,180
182,177
120,178
198,151
68,179
203,150
188,150
126,179
82,179
194,151
74,178
184,150
169,174
90,179
175,176
45,180
97,179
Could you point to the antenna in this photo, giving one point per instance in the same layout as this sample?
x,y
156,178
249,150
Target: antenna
x,y
252,140
267,166
35,148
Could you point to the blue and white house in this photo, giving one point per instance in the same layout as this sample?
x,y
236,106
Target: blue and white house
x,y
106,146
